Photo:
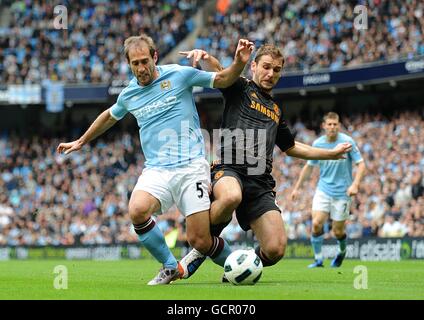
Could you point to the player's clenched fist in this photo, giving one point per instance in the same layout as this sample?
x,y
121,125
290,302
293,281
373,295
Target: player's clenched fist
x,y
243,51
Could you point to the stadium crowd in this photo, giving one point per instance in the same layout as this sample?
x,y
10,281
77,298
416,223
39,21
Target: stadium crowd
x,y
49,198
391,198
318,34
314,34
89,50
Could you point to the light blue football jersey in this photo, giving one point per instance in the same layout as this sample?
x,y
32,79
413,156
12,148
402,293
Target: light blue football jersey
x,y
335,176
170,132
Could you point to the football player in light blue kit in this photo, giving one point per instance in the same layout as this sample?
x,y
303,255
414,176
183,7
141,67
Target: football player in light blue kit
x,y
335,189
176,171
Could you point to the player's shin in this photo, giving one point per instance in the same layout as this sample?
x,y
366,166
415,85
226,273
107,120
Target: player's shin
x,y
153,240
316,241
342,243
219,251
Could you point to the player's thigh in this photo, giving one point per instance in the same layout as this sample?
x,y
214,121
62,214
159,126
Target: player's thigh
x,y
151,193
321,208
197,230
142,205
190,188
319,217
227,186
338,227
269,230
228,192
340,209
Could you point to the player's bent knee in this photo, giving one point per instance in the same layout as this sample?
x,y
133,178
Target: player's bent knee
x,y
139,213
338,233
231,199
275,252
317,228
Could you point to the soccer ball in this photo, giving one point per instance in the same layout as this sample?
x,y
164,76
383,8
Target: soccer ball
x,y
243,267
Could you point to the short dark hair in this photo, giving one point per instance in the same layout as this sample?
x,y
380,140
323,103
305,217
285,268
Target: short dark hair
x,y
331,115
269,49
136,40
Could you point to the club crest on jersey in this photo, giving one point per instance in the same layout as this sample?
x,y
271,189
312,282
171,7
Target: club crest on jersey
x,y
277,110
218,175
165,85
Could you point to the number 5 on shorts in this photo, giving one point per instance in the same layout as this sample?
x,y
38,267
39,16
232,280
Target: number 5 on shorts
x,y
199,189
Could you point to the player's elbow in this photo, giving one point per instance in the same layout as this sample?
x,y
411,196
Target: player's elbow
x,y
222,80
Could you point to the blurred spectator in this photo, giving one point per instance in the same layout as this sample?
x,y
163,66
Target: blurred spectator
x,y
417,188
392,228
90,49
392,186
53,199
354,228
319,34
313,34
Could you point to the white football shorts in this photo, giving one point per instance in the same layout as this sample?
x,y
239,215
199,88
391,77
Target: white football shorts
x,y
337,208
186,187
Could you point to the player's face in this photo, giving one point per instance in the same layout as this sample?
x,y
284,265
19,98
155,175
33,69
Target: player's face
x,y
267,71
142,64
331,127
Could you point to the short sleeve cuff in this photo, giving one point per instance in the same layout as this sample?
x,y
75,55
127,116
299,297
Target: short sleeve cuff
x,y
115,116
213,76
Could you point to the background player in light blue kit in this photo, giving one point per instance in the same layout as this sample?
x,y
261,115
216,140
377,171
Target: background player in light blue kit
x,y
335,188
176,171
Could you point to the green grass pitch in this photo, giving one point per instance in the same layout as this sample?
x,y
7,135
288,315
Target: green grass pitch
x,y
289,279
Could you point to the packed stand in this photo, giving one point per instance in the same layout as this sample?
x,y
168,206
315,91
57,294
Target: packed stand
x,y
390,202
318,34
47,198
82,198
90,49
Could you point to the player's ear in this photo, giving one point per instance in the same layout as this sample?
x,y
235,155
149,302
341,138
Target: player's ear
x,y
253,66
155,57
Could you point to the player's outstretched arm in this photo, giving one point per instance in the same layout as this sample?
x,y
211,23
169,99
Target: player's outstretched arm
x,y
204,59
228,76
307,152
304,175
102,123
360,173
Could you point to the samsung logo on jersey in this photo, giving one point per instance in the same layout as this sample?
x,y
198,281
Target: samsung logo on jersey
x,y
155,108
316,79
414,66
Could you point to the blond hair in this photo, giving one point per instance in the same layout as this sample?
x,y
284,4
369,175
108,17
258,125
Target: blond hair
x,y
331,115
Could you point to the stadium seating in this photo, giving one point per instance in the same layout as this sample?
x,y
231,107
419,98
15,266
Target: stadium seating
x,y
90,50
46,198
314,34
319,34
